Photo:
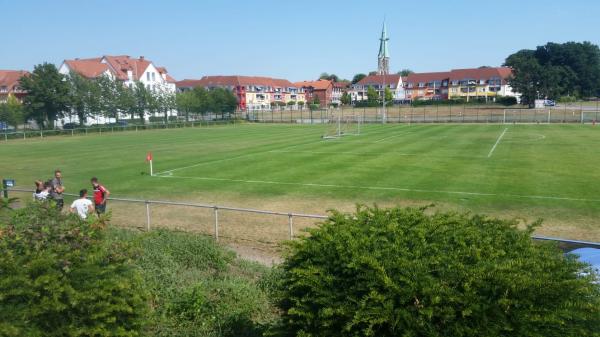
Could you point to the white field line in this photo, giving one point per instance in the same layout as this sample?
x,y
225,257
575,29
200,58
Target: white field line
x,y
385,188
497,142
372,153
397,135
206,163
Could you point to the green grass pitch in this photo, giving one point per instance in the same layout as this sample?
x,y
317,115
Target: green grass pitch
x,y
526,171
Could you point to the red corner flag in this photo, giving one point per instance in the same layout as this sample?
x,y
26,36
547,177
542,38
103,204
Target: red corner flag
x,y
149,159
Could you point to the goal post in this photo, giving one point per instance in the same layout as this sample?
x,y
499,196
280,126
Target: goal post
x,y
340,126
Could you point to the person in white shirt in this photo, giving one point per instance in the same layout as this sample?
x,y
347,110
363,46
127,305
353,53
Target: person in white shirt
x,y
42,191
82,206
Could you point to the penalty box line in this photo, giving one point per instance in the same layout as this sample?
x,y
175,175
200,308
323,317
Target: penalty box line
x,y
269,182
497,142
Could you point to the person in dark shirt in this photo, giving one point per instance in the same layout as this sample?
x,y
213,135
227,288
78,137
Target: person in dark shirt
x,y
100,196
57,190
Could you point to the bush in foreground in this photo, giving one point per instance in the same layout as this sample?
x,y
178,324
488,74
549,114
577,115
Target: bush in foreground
x,y
59,276
197,287
401,272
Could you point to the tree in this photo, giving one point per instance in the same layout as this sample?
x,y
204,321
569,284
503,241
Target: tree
x,y
316,100
11,112
47,94
405,72
330,77
290,104
357,78
110,89
555,70
346,99
63,277
144,101
404,272
186,102
389,96
372,97
301,104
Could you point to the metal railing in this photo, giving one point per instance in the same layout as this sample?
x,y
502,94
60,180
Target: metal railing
x,y
43,133
566,244
289,215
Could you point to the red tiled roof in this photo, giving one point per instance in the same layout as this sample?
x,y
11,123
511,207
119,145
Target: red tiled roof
x,y
90,68
342,84
10,78
380,79
117,65
234,81
427,77
187,83
121,64
317,85
480,73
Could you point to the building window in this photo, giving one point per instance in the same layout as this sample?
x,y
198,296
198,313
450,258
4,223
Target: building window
x,y
147,76
421,84
153,77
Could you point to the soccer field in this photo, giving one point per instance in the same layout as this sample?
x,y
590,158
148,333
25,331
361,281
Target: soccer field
x,y
525,171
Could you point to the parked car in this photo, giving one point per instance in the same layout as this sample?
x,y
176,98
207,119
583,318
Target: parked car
x,y
590,256
69,126
549,102
4,127
122,123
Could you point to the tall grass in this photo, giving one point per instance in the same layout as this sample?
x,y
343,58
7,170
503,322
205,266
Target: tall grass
x,y
199,288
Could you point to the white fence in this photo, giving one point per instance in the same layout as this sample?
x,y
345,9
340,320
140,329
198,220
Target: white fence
x,y
40,134
287,218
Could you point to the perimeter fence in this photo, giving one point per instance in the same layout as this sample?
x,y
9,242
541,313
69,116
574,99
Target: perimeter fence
x,y
245,224
104,129
429,114
234,223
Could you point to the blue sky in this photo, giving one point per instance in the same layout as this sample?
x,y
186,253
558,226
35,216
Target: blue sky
x,y
289,39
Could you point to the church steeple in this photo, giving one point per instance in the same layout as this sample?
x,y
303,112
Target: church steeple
x,y
383,59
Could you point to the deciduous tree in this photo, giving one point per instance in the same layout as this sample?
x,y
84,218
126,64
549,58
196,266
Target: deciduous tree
x,y
47,94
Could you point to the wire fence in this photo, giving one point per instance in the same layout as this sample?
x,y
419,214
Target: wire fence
x,y
392,114
182,215
429,114
215,219
103,129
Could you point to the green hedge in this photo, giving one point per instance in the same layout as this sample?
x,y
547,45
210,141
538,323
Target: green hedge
x,y
61,277
403,272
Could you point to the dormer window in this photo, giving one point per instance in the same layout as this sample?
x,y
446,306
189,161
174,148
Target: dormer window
x,y
148,76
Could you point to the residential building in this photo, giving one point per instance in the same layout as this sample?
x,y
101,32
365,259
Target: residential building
x,y
123,68
321,89
252,92
339,88
378,82
475,83
429,86
10,84
480,83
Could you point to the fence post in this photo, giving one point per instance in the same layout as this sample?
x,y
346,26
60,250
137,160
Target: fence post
x,y
216,223
147,215
291,225
5,137
41,133
548,116
504,118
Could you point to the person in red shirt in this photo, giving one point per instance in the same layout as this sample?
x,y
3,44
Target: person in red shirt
x,y
100,196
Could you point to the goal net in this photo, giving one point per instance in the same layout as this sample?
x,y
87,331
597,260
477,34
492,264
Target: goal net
x,y
340,126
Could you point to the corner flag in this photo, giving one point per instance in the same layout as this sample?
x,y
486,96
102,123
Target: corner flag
x,y
149,159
